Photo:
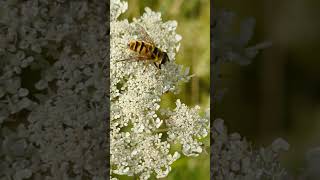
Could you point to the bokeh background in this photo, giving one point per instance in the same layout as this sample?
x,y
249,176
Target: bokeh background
x,y
278,94
193,17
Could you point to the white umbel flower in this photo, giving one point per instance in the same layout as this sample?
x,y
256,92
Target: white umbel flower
x,y
138,143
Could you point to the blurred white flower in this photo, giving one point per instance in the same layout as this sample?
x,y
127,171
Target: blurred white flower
x,y
140,134
234,157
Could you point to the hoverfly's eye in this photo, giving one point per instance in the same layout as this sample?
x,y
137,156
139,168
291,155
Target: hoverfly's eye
x,y
128,44
165,59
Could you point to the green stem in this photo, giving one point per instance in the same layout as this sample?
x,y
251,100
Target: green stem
x,y
162,130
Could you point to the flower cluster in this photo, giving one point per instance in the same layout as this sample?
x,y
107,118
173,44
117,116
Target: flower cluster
x,y
233,157
142,131
52,89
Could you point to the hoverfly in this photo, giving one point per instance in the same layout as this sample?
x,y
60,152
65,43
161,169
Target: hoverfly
x,y
146,50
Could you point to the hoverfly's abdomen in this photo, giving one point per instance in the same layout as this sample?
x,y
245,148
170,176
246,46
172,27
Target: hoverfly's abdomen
x,y
141,47
133,45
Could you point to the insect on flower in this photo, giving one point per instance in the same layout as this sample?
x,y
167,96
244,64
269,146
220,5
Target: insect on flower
x,y
146,50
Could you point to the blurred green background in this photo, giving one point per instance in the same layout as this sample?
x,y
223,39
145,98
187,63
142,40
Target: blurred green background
x,y
193,17
278,95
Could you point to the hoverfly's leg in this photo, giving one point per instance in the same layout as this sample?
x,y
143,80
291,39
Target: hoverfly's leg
x,y
137,59
146,64
133,59
155,64
158,66
146,61
144,68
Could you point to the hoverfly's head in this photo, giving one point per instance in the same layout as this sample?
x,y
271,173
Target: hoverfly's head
x,y
165,58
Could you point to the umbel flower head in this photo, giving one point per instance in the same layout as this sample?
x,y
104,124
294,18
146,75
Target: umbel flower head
x,y
141,131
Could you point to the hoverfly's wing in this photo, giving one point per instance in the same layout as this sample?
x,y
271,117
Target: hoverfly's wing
x,y
145,35
135,59
146,60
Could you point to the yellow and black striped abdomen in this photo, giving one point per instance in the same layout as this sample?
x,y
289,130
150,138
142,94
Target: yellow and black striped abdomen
x,y
148,51
141,47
